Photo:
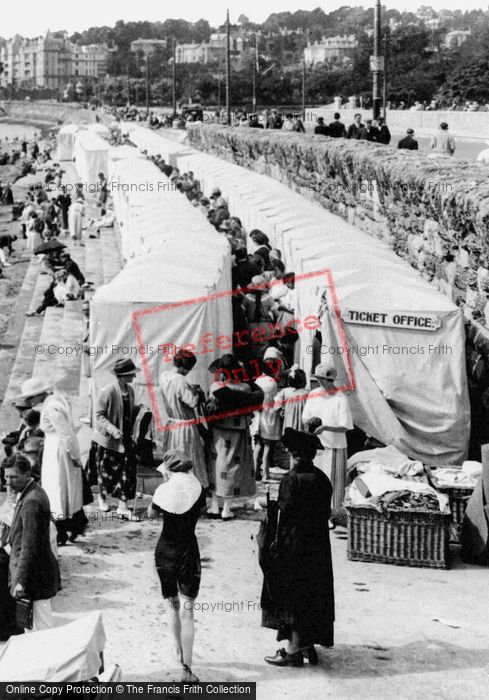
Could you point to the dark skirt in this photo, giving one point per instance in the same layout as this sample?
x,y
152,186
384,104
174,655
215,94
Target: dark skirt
x,y
116,472
286,607
179,569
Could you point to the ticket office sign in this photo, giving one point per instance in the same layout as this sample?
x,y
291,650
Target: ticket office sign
x,y
392,319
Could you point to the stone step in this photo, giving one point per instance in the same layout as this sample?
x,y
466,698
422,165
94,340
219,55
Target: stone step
x,y
46,361
10,351
70,348
94,271
111,259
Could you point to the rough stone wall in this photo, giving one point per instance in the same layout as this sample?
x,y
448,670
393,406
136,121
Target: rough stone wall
x,y
433,211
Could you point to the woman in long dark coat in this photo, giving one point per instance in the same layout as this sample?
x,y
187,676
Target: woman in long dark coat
x,y
298,594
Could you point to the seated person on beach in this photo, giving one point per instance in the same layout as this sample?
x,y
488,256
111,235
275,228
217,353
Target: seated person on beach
x,y
106,220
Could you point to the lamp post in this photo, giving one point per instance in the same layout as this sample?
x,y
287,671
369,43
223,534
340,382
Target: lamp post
x,y
174,77
255,70
228,70
147,83
303,110
376,63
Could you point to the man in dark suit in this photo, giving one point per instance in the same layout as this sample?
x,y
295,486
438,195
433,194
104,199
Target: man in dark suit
x,y
408,142
33,568
336,128
384,133
357,129
371,131
321,127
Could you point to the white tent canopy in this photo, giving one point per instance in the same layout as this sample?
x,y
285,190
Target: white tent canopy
x,y
410,386
147,287
163,238
91,156
99,129
66,141
152,142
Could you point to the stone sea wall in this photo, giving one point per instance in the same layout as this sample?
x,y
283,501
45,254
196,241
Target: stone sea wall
x,y
433,212
48,112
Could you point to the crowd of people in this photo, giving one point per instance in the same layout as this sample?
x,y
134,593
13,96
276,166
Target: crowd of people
x,y
221,455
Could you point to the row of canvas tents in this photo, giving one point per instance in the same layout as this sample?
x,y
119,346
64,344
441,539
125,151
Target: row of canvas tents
x,y
172,289
397,342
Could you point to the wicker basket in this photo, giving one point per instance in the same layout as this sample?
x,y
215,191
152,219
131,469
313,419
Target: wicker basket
x,y
403,537
458,498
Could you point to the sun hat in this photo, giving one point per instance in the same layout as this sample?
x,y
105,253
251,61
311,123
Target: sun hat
x,y
22,403
34,387
124,367
325,371
176,461
272,353
300,440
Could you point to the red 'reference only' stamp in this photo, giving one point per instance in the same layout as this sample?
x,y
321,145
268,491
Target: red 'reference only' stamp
x,y
209,341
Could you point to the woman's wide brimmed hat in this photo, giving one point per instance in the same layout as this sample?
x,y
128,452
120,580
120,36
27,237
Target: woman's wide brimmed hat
x,y
226,363
124,367
298,441
22,403
34,387
325,370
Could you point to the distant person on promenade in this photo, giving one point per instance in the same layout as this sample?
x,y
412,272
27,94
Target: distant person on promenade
x,y
337,128
372,132
384,133
408,142
443,143
288,124
274,120
356,129
321,129
254,122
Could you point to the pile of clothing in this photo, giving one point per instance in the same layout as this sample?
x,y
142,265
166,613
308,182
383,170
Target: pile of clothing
x,y
465,476
378,489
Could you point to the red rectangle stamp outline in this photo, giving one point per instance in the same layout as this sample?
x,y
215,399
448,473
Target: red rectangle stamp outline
x,y
137,315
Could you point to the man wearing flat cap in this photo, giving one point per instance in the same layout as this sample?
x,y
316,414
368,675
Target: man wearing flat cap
x,y
331,407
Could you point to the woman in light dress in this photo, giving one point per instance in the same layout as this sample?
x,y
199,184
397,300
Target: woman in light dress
x,y
181,400
331,407
61,470
75,220
34,238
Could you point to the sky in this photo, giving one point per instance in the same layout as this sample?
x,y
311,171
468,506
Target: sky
x,y
32,18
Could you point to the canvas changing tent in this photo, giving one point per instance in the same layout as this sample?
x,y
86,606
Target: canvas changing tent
x,y
150,212
91,157
146,287
398,343
152,142
99,129
66,141
174,257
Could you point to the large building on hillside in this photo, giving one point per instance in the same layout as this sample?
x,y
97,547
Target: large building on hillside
x,y
50,61
212,51
330,48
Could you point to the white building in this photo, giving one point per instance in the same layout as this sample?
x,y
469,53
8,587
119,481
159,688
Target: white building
x,y
335,47
211,52
50,61
455,39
